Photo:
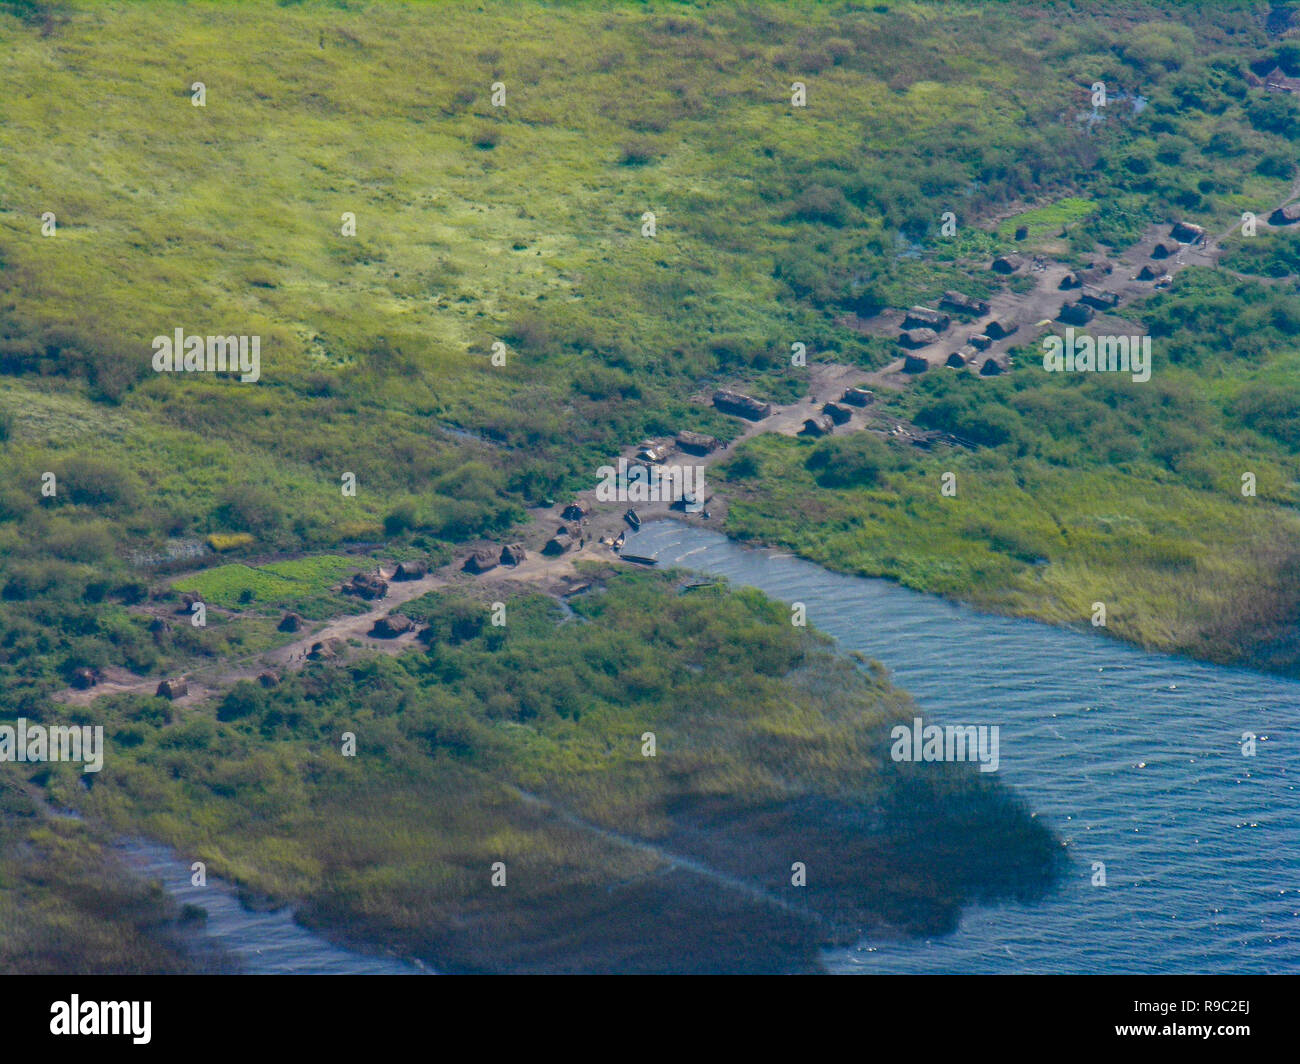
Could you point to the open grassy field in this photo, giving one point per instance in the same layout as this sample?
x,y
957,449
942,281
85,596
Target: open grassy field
x,y
302,585
500,162
518,219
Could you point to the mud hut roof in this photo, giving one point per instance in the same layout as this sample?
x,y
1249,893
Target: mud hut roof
x,y
697,442
558,543
924,317
412,570
480,561
741,405
917,337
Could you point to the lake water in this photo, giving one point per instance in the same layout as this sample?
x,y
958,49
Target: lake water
x,y
1134,759
264,943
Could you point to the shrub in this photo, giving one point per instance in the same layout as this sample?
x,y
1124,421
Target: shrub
x,y
849,462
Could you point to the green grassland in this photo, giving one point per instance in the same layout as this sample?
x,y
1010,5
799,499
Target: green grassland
x,y
770,748
1081,490
522,224
303,585
519,224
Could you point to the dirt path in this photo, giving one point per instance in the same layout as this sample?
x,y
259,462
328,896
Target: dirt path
x,y
1035,311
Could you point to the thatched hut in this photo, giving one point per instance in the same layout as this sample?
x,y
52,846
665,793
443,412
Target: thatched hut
x,y
366,586
1001,328
696,442
741,405
1285,215
990,368
290,622
560,543
1099,298
410,571
1187,233
480,561
959,301
1075,313
980,342
917,337
1007,264
1150,272
392,626
173,689
268,678
915,364
1166,248
838,414
574,512
85,677
956,360
817,426
858,396
513,554
925,318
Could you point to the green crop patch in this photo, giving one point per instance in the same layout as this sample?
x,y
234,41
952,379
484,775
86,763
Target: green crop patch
x,y
302,585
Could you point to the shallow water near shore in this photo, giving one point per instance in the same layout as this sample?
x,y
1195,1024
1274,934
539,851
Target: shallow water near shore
x,y
264,943
1133,758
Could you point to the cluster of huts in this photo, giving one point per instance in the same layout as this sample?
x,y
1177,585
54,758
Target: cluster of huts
x,y
1092,297
836,412
923,326
1181,235
484,560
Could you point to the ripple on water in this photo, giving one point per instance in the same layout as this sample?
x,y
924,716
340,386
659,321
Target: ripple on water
x,y
1134,758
